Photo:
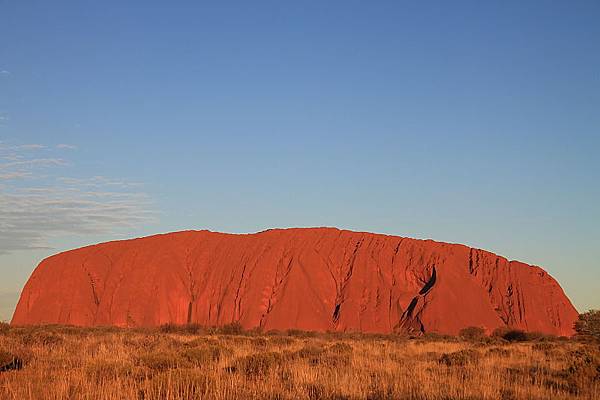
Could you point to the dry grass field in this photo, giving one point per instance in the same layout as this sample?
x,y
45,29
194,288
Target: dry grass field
x,y
190,363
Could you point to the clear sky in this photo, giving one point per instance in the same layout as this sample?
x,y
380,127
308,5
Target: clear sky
x,y
465,122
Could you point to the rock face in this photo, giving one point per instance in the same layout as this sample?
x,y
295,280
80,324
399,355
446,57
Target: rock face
x,y
310,279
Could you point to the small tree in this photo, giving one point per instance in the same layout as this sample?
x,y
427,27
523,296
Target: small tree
x,y
588,324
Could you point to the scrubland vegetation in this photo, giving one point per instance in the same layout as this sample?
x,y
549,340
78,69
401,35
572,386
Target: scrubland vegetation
x,y
55,362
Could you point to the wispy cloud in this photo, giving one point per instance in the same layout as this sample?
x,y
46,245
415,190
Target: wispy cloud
x,y
98,181
4,147
66,146
33,146
36,162
4,72
37,204
14,175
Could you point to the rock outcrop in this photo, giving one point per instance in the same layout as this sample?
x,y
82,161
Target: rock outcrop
x,y
311,279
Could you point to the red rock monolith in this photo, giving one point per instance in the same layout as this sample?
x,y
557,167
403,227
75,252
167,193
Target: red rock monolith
x,y
306,278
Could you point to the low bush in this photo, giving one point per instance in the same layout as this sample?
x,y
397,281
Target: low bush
x,y
310,351
42,338
186,329
237,341
257,365
234,328
436,337
472,333
584,363
337,355
511,335
300,333
543,347
201,356
4,328
460,358
331,360
498,352
341,348
588,324
102,370
162,360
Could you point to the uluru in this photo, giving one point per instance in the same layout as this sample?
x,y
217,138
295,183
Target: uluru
x,y
322,279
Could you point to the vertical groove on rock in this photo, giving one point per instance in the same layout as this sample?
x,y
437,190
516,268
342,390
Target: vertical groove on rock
x,y
237,301
340,291
94,291
189,313
277,285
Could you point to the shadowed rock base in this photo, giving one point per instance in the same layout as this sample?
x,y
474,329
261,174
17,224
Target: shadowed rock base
x,y
311,279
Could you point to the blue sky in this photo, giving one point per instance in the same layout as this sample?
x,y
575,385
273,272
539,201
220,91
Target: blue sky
x,y
458,121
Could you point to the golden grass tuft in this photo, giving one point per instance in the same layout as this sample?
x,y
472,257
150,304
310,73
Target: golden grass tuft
x,y
174,362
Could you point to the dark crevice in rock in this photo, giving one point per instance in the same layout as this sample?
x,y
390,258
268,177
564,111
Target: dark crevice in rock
x,y
189,312
411,308
429,283
410,320
336,312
